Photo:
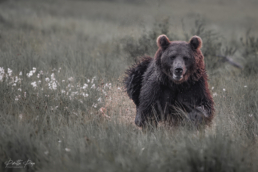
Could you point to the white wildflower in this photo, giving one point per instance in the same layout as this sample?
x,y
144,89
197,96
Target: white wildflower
x,y
94,105
212,88
224,89
106,86
215,94
67,149
34,69
16,98
46,152
104,92
85,86
14,84
92,80
47,79
88,80
34,84
24,94
20,73
99,99
16,79
53,77
63,91
250,115
20,116
85,95
52,85
1,73
1,70
93,86
9,71
29,74
118,88
19,89
245,86
63,80
70,79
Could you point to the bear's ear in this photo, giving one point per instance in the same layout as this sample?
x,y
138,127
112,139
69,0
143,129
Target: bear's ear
x,y
196,42
163,42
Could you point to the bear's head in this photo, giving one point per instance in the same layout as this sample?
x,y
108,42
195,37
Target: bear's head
x,y
180,60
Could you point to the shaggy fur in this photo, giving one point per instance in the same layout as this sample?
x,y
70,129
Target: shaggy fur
x,y
174,78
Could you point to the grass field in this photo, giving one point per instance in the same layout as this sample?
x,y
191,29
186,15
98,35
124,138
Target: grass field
x,y
63,106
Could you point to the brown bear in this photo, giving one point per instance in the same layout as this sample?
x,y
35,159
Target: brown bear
x,y
174,79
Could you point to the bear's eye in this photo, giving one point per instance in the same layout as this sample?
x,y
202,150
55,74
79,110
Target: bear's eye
x,y
173,57
185,58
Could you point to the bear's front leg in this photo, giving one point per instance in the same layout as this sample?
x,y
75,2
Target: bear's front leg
x,y
146,122
145,116
149,96
139,121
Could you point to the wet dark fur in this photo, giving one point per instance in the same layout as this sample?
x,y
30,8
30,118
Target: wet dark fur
x,y
154,93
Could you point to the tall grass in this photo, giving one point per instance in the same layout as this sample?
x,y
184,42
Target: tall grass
x,y
96,143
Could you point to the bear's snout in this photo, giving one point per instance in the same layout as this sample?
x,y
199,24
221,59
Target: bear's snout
x,y
179,71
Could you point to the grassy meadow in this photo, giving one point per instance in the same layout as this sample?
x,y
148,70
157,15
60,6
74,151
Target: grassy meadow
x,y
63,105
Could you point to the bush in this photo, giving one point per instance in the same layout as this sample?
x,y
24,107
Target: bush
x,y
250,54
146,44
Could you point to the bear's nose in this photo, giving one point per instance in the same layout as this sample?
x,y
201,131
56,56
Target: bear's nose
x,y
179,70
